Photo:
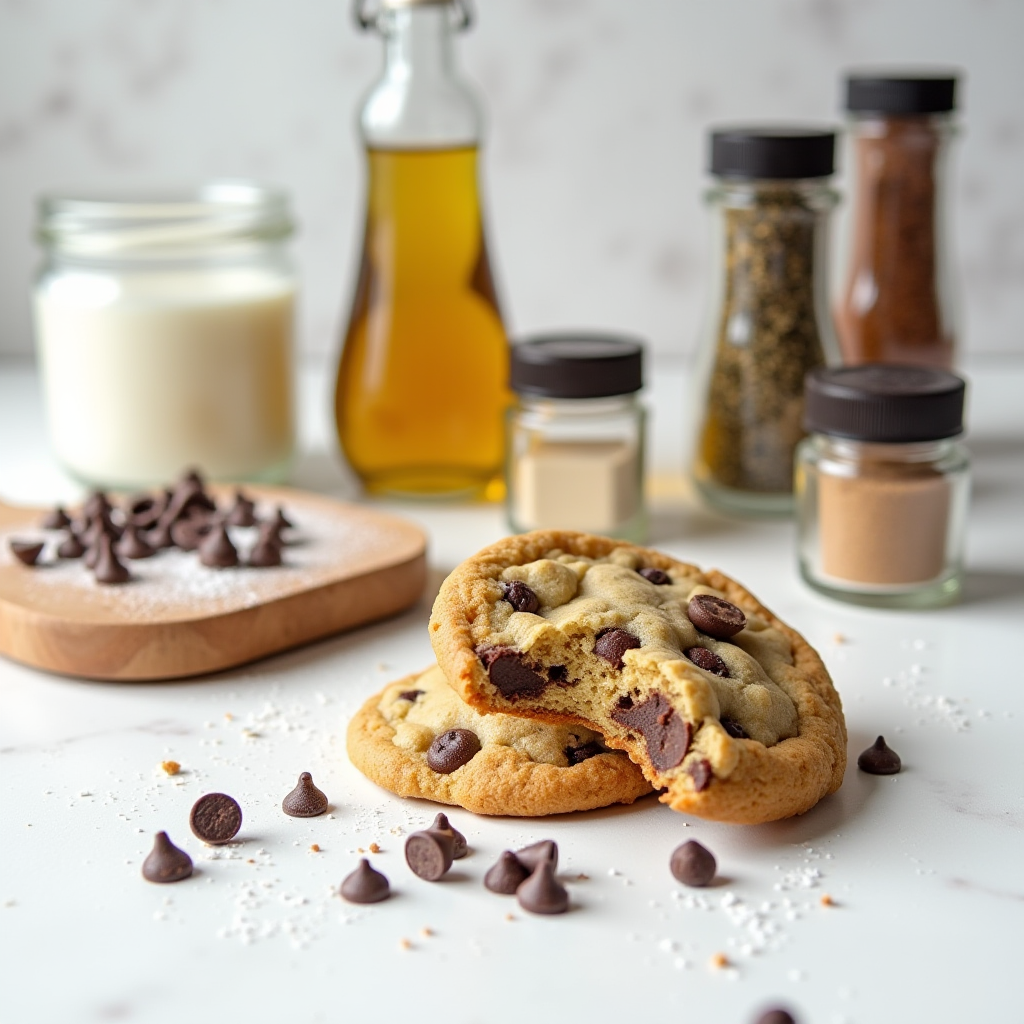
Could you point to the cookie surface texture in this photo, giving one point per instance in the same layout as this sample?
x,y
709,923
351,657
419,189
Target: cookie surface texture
x,y
746,729
523,768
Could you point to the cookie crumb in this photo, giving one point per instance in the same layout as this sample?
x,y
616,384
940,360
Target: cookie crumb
x,y
426,932
826,900
582,877
315,848
719,961
228,717
510,917
359,849
250,860
170,767
838,638
404,944
374,848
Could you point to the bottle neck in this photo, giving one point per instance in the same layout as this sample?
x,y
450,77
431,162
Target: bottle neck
x,y
418,43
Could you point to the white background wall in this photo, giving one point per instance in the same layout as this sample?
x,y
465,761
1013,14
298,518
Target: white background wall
x,y
598,111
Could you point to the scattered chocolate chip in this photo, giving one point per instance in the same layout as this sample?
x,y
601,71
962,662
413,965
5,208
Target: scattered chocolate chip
x,y
734,729
715,617
305,800
452,749
365,885
265,553
270,533
281,521
707,660
144,511
165,862
506,875
542,893
410,695
132,544
776,1016
429,854
879,759
521,597
700,772
667,734
26,551
215,818
658,577
56,520
96,504
101,524
613,644
693,864
71,546
216,549
243,512
188,533
510,676
537,853
108,568
159,536
585,751
442,824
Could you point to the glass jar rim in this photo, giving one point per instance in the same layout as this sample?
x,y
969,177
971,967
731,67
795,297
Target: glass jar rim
x,y
173,221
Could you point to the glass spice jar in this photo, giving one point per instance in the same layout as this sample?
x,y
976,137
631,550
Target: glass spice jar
x,y
576,436
769,322
897,305
882,485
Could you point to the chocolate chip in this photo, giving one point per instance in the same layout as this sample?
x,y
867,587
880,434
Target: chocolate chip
x,y
242,512
537,853
613,644
108,568
510,676
715,617
658,577
692,864
410,695
305,800
734,729
879,759
542,893
216,550
265,553
707,660
521,597
71,546
776,1016
365,885
452,749
215,818
159,537
132,545
429,854
100,525
188,533
700,772
144,511
96,504
666,733
165,862
281,521
506,875
26,551
56,520
585,751
442,824
558,674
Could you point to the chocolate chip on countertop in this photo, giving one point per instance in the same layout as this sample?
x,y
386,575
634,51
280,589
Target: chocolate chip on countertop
x,y
71,546
510,677
707,660
215,818
365,885
542,893
188,533
521,597
410,695
452,749
265,553
216,549
613,644
165,862
108,568
701,773
243,512
305,800
693,864
776,1016
133,545
281,521
101,524
715,617
56,520
429,854
96,504
159,537
144,511
537,853
666,733
585,751
879,759
506,875
658,577
734,729
26,551
442,824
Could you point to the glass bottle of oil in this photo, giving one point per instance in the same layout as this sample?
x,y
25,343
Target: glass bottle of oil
x,y
422,382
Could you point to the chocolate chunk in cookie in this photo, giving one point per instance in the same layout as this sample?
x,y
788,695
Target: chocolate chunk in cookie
x,y
714,616
410,695
577,755
452,749
700,772
658,577
666,733
613,644
707,660
521,597
506,670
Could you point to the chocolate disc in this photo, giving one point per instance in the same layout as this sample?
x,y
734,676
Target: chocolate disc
x,y
613,644
305,800
542,893
715,617
452,749
658,577
707,660
879,759
693,864
521,597
365,885
506,875
166,863
215,818
429,854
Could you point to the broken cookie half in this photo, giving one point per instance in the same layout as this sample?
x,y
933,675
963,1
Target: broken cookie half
x,y
723,706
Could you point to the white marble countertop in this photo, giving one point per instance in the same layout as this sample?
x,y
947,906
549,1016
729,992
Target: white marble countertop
x,y
923,868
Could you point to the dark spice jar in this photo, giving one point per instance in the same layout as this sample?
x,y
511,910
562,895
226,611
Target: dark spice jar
x,y
897,302
769,322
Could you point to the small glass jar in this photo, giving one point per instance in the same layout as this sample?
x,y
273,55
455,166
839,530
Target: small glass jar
x,y
575,457
768,320
164,327
882,486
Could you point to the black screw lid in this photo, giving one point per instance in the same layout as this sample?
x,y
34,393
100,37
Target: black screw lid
x,y
577,366
884,403
873,93
772,152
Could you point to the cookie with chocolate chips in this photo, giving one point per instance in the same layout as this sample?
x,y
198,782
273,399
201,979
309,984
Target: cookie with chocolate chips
x,y
727,710
419,739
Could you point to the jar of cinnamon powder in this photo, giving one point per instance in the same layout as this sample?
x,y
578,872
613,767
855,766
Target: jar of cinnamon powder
x,y
882,485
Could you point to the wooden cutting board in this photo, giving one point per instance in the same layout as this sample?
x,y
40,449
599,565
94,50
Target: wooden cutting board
x,y
345,565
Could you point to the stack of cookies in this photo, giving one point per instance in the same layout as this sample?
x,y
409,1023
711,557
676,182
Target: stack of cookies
x,y
575,671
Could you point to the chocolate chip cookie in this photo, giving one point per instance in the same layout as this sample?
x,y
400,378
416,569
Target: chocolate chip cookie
x,y
419,739
726,708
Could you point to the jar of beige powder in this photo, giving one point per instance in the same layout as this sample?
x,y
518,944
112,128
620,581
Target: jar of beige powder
x,y
882,485
576,436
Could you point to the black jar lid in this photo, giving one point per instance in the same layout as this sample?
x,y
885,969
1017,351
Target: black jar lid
x,y
585,365
884,403
877,93
772,153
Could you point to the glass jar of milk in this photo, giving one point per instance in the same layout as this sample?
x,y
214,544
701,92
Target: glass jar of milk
x,y
164,327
